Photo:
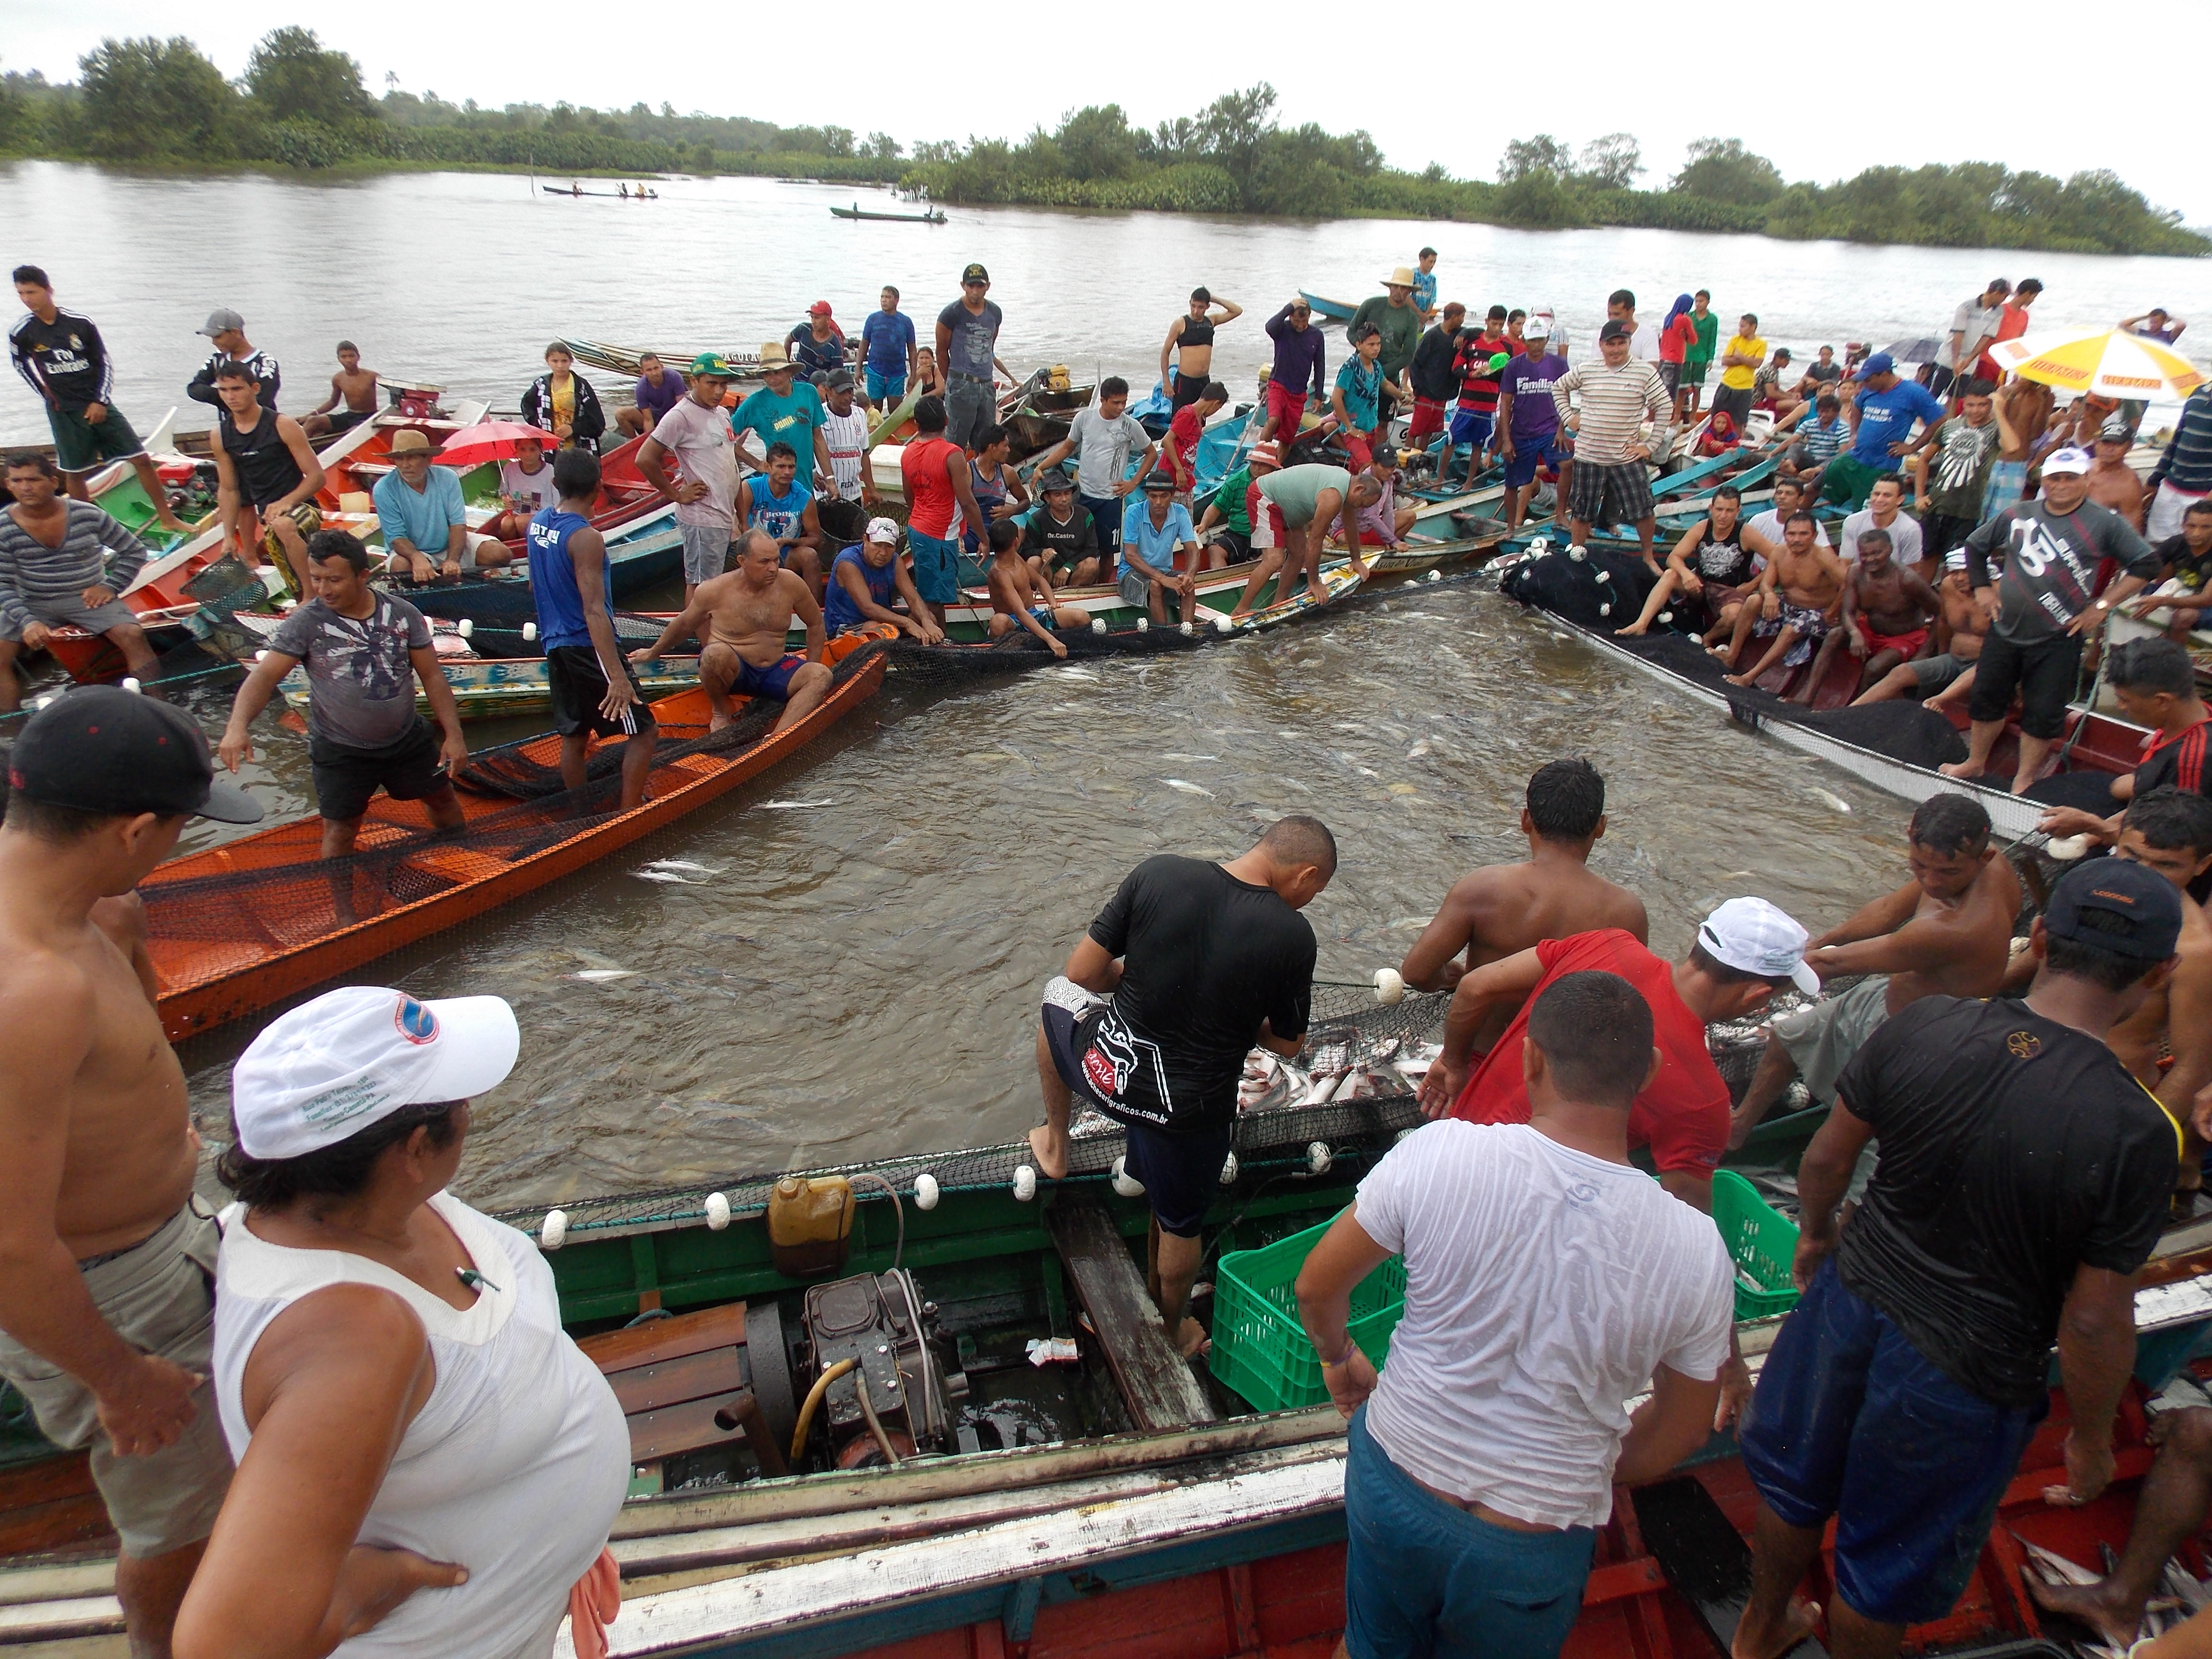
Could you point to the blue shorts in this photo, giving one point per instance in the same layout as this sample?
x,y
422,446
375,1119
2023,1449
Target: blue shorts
x,y
1422,1577
882,386
1851,1420
774,682
1521,469
1469,427
936,567
1105,513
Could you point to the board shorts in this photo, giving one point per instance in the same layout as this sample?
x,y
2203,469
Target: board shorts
x,y
881,387
1694,370
1735,400
1941,531
2044,673
1670,376
1268,528
1521,471
1846,481
345,420
1423,1577
1041,614
1610,494
1822,1036
773,681
158,1297
81,445
1236,546
1851,1420
408,767
1135,587
1473,426
1105,513
1905,645
936,567
306,517
71,611
1188,388
1938,673
706,551
577,682
1428,419
1181,1173
1811,625
1360,447
1286,408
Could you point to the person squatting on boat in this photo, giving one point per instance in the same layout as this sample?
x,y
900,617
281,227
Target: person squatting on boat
x,y
107,1258
62,563
1190,966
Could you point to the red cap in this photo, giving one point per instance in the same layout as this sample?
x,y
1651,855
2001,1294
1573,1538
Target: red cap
x,y
819,308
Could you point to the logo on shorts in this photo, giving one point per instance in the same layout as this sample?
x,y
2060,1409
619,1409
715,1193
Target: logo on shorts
x,y
1102,1074
415,1023
2024,1045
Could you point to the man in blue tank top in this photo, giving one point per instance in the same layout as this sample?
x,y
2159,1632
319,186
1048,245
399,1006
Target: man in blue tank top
x,y
594,693
866,579
777,503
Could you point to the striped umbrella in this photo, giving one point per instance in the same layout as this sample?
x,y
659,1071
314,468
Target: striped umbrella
x,y
2104,361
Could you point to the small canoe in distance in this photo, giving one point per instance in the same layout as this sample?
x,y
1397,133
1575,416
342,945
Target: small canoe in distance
x,y
239,927
1335,310
932,217
611,195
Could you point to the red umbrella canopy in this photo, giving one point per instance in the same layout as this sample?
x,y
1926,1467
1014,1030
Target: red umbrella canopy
x,y
490,440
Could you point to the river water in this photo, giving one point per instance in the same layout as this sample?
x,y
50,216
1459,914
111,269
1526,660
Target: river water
x,y
858,978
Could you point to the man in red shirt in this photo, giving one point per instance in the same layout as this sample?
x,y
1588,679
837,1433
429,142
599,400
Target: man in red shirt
x,y
1183,434
1744,952
939,500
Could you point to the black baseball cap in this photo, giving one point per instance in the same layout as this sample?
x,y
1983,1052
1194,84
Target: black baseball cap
x,y
1157,479
1616,330
974,274
2118,906
102,748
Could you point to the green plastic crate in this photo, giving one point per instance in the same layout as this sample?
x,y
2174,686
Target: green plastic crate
x,y
1259,1347
1763,1242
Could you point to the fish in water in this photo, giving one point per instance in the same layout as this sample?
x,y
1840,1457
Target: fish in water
x,y
1190,757
1190,789
1420,748
1831,801
794,806
603,976
683,865
666,876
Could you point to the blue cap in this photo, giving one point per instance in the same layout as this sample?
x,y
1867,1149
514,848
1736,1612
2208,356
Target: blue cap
x,y
1880,363
2117,905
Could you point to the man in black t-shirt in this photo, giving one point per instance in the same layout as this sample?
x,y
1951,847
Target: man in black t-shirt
x,y
1200,961
2185,590
1060,543
2023,1178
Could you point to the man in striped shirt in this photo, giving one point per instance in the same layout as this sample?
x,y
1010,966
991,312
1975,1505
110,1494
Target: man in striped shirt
x,y
54,571
2184,473
1610,480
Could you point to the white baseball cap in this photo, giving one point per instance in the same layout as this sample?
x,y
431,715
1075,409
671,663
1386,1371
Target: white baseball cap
x,y
330,1068
883,530
2069,460
1537,327
1754,936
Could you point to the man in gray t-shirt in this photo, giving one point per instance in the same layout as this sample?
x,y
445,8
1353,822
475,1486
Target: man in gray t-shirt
x,y
1102,437
967,353
363,651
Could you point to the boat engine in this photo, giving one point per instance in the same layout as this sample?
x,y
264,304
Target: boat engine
x,y
896,1398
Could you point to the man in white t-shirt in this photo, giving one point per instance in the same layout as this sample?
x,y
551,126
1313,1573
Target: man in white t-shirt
x,y
1762,531
695,433
1548,1281
1884,511
1643,339
845,508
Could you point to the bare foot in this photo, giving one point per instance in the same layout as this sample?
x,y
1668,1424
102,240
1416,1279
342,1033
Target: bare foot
x,y
718,721
1961,769
1192,1338
1739,679
1051,1151
2021,783
2094,1605
1796,1625
1634,629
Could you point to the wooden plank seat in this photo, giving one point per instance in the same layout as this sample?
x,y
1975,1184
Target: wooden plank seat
x,y
684,1384
1155,1381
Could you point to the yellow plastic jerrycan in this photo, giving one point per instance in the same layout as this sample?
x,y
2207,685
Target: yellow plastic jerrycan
x,y
810,1225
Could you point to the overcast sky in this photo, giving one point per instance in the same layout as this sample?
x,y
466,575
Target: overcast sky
x,y
1822,90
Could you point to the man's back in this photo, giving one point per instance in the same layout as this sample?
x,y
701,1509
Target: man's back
x,y
1492,913
1543,1286
2015,1150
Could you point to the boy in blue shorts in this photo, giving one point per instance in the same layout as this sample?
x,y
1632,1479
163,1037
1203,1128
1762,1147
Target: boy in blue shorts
x,y
1528,419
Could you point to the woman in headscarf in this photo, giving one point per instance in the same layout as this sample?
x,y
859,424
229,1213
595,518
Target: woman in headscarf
x,y
1678,337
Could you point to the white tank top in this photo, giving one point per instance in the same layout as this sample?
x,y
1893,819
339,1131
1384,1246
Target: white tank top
x,y
515,1466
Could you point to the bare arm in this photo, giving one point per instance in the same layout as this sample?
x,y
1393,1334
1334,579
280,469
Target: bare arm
x,y
1823,1174
1089,966
1885,915
1229,312
303,457
2096,1352
1674,1422
653,459
438,691
956,468
690,621
1509,980
1167,349
587,551
2189,1033
810,527
237,745
331,402
1334,1268
229,499
809,613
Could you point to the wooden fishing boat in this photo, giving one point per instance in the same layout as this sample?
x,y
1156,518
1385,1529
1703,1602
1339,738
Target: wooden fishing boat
x,y
1334,310
932,217
240,926
609,195
624,360
1217,592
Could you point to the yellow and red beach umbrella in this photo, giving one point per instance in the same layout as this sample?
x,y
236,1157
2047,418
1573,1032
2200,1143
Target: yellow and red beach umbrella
x,y
2104,361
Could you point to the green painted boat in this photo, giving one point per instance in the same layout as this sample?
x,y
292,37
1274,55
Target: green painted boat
x,y
493,689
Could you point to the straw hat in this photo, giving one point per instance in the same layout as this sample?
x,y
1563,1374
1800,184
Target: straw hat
x,y
1401,277
408,441
772,356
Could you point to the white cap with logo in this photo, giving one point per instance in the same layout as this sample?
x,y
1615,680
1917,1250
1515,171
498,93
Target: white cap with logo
x,y
883,530
328,1069
1754,936
2069,460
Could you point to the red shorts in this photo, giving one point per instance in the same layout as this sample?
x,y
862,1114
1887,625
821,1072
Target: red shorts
x,y
1269,529
1360,446
1285,409
1428,419
1907,644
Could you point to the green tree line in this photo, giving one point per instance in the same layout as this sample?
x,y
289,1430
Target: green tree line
x,y
301,105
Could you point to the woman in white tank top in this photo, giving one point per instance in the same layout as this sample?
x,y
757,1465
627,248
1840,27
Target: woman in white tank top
x,y
427,1463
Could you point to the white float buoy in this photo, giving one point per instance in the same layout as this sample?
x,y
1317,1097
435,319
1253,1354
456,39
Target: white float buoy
x,y
529,632
1125,1183
924,1191
1223,623
1577,552
553,1229
1318,1157
1098,625
1605,575
1188,629
718,1211
1144,624
1666,615
468,627
1434,575
1229,1170
130,683
1606,609
1025,1183
2067,848
1389,986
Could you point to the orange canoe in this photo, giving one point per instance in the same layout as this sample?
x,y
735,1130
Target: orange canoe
x,y
243,926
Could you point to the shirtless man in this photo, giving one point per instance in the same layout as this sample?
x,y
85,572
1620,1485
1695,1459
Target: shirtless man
x,y
1888,609
1021,596
1948,675
1798,594
352,385
1503,909
746,613
1946,932
2112,483
106,1320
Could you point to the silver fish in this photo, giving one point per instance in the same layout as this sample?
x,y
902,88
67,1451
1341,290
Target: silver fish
x,y
794,806
1190,789
667,876
683,865
603,976
1825,799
